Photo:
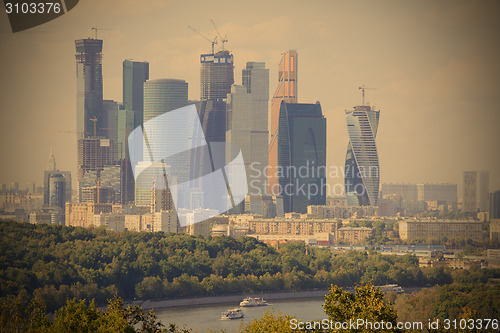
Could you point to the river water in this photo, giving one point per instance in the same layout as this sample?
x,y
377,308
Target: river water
x,y
207,318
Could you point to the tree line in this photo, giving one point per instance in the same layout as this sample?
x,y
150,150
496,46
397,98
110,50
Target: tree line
x,y
57,263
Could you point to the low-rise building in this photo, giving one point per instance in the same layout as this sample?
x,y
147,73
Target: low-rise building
x,y
353,235
438,229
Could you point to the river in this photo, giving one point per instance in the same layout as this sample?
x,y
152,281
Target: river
x,y
205,318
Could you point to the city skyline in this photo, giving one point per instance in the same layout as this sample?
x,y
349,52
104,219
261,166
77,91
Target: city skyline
x,y
439,111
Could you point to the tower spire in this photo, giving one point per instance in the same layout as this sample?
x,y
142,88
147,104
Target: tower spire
x,y
51,162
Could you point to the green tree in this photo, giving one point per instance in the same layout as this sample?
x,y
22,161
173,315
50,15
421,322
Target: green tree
x,y
270,322
367,303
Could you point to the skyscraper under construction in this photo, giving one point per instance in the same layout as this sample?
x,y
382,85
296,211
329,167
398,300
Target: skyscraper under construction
x,y
89,87
217,75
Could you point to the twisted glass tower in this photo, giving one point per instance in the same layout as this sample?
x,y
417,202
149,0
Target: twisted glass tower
x,y
362,175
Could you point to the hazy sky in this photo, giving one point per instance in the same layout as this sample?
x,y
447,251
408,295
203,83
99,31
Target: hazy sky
x,y
434,64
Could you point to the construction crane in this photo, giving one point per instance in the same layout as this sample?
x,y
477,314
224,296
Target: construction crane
x,y
204,37
95,29
222,40
363,88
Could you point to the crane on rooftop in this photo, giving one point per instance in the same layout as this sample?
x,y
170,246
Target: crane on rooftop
x,y
363,88
96,29
214,41
222,40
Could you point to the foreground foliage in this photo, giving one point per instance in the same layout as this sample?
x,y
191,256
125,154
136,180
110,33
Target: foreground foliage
x,y
21,315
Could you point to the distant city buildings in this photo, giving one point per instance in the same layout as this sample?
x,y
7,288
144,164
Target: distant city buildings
x,y
411,199
476,191
362,170
340,212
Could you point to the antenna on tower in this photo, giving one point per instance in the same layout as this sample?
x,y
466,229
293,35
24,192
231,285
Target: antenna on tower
x,y
363,88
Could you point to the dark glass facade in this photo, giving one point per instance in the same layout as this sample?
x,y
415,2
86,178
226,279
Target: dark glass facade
x,y
301,146
134,75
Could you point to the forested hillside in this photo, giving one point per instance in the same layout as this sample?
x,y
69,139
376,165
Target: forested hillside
x,y
56,263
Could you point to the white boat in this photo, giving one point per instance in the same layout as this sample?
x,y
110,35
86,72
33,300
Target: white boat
x,y
253,301
392,287
232,314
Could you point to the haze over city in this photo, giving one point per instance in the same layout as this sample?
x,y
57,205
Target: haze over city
x,y
434,66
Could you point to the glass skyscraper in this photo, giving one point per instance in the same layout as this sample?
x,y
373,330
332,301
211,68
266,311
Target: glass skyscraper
x,y
247,110
286,91
135,73
362,175
89,87
301,155
160,96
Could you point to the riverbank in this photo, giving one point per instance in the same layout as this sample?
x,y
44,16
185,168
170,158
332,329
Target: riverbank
x,y
226,299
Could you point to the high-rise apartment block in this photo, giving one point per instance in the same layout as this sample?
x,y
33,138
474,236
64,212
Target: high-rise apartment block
x,y
476,191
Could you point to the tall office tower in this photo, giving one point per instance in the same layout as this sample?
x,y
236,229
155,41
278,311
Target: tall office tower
x,y
89,87
495,205
57,188
125,124
301,140
476,191
361,165
286,91
160,96
246,117
53,179
109,119
135,73
469,203
217,75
